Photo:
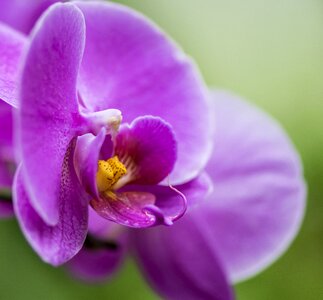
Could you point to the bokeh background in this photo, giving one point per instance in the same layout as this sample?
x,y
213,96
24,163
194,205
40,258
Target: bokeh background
x,y
271,53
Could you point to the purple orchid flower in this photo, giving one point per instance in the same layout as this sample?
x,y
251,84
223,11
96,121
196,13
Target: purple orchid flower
x,y
246,221
20,15
245,197
68,97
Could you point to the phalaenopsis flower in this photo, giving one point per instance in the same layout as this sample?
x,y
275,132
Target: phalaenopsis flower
x,y
116,138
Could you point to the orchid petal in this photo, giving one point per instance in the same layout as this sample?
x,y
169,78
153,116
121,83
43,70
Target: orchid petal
x,y
168,200
131,209
86,159
171,202
103,251
6,177
150,145
12,44
6,147
6,132
55,244
129,64
22,14
179,263
6,208
6,160
94,265
259,196
102,228
48,118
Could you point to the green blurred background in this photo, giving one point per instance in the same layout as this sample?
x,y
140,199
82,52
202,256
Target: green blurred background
x,y
270,52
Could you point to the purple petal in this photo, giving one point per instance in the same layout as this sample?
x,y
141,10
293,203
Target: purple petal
x,y
103,252
179,262
145,206
55,244
86,159
6,147
6,160
95,265
6,132
127,208
6,177
22,14
49,117
102,228
6,208
259,196
195,191
150,145
12,44
129,64
170,203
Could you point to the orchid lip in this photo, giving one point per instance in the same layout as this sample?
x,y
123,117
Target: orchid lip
x,y
121,172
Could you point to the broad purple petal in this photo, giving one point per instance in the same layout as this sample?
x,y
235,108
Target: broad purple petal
x,y
95,265
48,118
12,44
258,202
22,14
150,145
129,64
179,262
55,244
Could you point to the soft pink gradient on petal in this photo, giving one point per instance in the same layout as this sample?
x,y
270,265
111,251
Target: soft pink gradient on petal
x,y
131,65
259,193
48,117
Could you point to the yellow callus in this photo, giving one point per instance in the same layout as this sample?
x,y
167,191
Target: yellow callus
x,y
109,172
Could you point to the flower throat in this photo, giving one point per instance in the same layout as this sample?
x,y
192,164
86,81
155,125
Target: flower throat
x,y
109,173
